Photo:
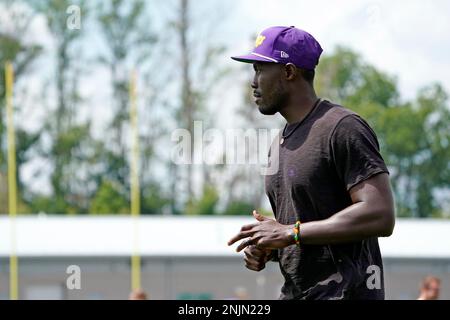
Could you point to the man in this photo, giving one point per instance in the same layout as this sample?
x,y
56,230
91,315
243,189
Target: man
x,y
137,294
331,179
430,288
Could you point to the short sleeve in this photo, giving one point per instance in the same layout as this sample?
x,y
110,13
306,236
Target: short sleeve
x,y
355,152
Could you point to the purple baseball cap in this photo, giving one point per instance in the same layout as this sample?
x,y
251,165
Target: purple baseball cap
x,y
285,45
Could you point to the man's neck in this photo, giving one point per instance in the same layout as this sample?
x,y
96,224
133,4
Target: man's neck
x,y
298,108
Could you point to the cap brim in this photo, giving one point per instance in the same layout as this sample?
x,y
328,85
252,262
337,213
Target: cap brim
x,y
250,58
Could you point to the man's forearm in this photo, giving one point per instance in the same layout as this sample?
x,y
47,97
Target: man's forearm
x,y
356,222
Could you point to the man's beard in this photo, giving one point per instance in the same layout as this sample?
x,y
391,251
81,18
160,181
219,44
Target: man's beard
x,y
277,101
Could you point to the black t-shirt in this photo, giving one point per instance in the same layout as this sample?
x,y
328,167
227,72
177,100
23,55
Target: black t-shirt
x,y
328,153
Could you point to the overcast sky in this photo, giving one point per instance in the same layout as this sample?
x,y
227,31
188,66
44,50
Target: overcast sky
x,y
409,39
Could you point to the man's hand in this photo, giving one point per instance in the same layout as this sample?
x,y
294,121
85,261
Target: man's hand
x,y
265,234
255,259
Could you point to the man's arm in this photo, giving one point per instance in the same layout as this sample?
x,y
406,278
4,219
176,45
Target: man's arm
x,y
372,214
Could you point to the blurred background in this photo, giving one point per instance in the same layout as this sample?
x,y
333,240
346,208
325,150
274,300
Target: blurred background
x,y
97,88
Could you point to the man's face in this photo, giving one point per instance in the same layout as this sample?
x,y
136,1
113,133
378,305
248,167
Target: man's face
x,y
432,290
269,91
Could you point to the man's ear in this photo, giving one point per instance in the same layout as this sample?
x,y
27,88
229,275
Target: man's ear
x,y
291,72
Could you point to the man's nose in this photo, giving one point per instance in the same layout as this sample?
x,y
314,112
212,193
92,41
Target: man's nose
x,y
254,84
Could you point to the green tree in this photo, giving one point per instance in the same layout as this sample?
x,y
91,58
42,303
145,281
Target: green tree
x,y
414,136
21,54
204,205
237,208
109,200
345,77
199,73
129,40
70,138
153,200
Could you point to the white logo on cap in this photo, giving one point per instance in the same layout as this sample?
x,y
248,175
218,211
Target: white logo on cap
x,y
284,54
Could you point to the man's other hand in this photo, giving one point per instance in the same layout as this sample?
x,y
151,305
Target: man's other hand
x,y
255,259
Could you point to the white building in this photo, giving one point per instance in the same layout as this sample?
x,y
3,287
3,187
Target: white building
x,y
185,257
